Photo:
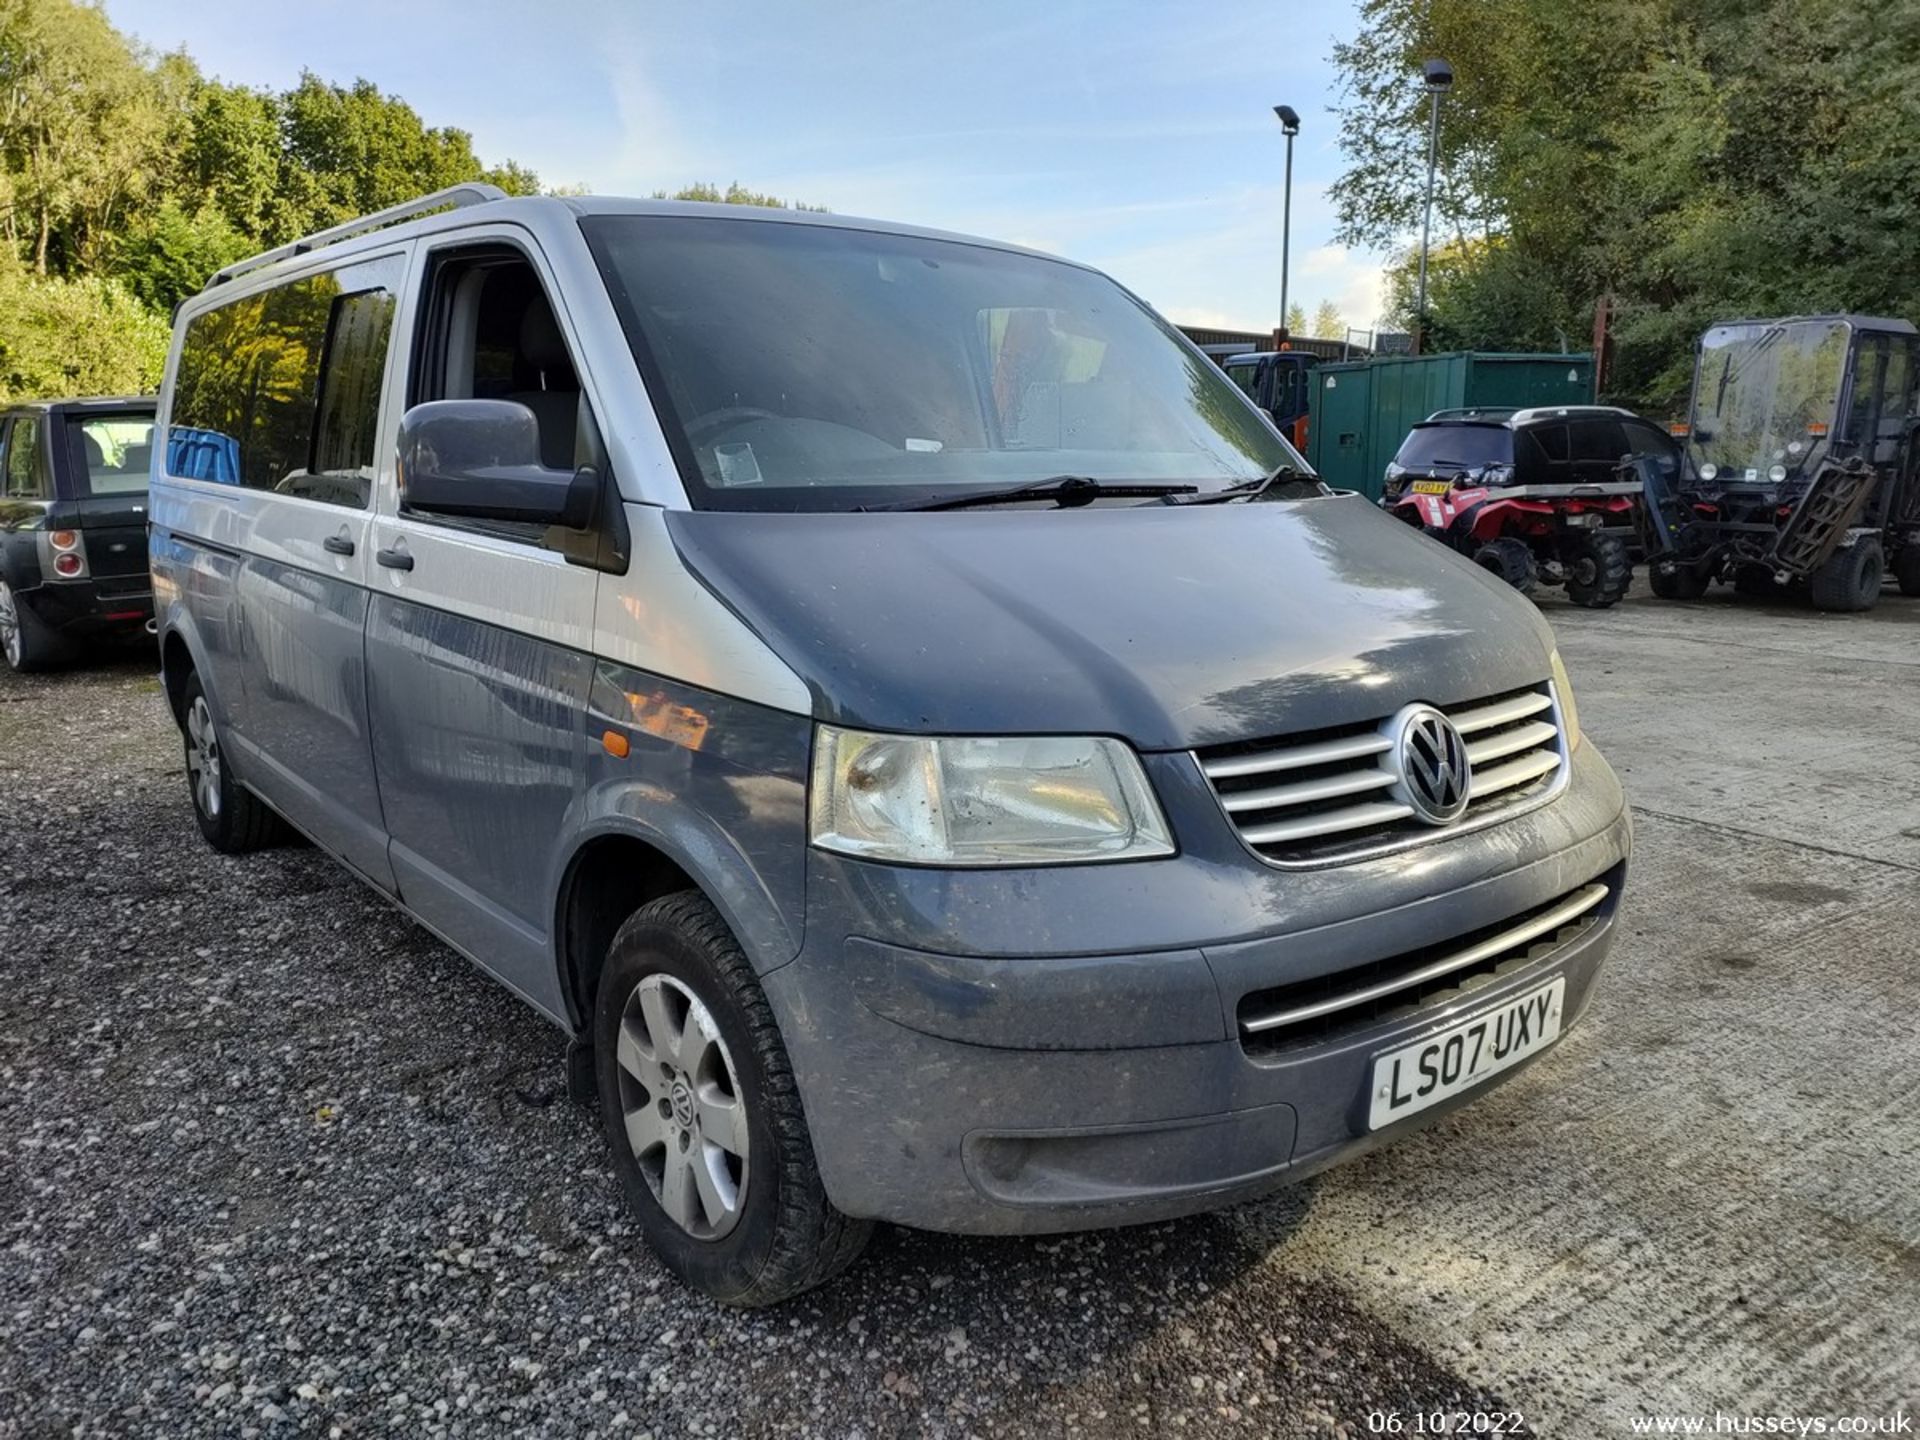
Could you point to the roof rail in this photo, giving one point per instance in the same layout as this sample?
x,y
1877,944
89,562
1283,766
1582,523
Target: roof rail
x,y
455,196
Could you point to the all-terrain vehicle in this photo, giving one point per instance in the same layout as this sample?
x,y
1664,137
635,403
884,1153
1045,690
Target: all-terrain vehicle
x,y
1536,496
1805,468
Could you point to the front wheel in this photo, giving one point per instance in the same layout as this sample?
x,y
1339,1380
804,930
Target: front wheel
x,y
1512,560
1599,569
1849,580
703,1116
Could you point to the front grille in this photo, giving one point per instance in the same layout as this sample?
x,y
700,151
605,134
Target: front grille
x,y
1287,1016
1329,795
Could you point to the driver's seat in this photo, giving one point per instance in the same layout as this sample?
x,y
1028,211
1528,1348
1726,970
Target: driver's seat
x,y
558,401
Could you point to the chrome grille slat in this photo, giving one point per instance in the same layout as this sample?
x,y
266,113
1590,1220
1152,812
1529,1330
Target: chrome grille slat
x,y
1472,718
1331,788
1511,742
1327,822
1576,905
1331,796
1323,752
1514,772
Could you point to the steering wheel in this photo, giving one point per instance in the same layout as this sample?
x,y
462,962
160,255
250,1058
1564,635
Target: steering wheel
x,y
725,416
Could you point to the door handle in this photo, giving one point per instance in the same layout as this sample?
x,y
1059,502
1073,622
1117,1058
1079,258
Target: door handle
x,y
394,559
337,545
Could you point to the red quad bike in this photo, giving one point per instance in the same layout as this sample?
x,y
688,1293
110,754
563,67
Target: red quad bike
x,y
1534,535
1538,496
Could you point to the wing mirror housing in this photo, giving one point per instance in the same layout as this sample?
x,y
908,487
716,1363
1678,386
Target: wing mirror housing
x,y
480,460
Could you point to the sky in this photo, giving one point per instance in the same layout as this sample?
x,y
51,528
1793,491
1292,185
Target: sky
x,y
1136,137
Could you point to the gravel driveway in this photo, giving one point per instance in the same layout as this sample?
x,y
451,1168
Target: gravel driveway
x,y
276,1161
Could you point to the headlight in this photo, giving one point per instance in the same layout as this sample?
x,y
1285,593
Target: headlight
x,y
992,800
1777,473
1569,714
1709,470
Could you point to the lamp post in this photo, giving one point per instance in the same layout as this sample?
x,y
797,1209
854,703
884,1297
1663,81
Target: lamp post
x,y
1290,127
1439,78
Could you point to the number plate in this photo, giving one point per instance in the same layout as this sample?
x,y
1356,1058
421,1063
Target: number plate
x,y
1431,487
1408,1080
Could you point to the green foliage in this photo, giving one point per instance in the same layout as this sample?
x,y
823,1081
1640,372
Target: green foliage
x,y
734,194
86,336
168,255
126,179
1328,323
1296,319
1692,159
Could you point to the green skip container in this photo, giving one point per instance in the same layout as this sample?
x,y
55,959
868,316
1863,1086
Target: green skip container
x,y
1360,410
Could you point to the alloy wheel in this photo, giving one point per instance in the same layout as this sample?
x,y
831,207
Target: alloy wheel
x,y
685,1117
203,758
9,626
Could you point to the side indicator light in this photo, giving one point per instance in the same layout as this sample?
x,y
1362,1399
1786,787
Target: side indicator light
x,y
615,744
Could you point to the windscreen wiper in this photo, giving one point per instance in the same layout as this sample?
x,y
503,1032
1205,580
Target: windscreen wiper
x,y
1247,489
1066,491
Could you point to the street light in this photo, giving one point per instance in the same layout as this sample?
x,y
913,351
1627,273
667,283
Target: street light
x,y
1439,78
1290,127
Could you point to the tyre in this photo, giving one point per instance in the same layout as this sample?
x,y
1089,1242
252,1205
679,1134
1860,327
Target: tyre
x,y
1512,560
27,644
1850,578
1906,567
1599,569
1674,581
232,818
703,1116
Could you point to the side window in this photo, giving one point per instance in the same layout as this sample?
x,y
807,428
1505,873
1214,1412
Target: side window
x,y
1594,447
489,332
1645,439
1899,382
26,473
1243,376
280,391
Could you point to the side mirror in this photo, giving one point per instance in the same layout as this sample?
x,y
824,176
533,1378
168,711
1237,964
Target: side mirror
x,y
480,459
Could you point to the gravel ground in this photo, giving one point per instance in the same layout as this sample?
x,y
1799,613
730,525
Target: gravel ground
x,y
278,1162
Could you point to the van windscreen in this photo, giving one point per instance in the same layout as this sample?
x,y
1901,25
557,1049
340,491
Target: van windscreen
x,y
821,367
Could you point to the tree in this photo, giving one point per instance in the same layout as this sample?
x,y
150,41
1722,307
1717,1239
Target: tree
x,y
734,194
1296,319
85,336
169,255
350,150
80,129
1328,324
1691,159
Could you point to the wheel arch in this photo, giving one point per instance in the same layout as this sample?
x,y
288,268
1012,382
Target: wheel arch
x,y
180,657
622,864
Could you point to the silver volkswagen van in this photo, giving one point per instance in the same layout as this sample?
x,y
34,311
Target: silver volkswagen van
x,y
921,734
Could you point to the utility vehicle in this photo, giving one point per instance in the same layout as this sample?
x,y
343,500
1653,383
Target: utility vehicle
x,y
1278,382
1804,471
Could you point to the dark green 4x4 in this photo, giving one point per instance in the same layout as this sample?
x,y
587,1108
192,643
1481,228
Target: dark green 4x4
x,y
73,525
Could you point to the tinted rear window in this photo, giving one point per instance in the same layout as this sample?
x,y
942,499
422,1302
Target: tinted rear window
x,y
1456,447
280,390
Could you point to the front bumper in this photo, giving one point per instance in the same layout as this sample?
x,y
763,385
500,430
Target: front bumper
x,y
975,1092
